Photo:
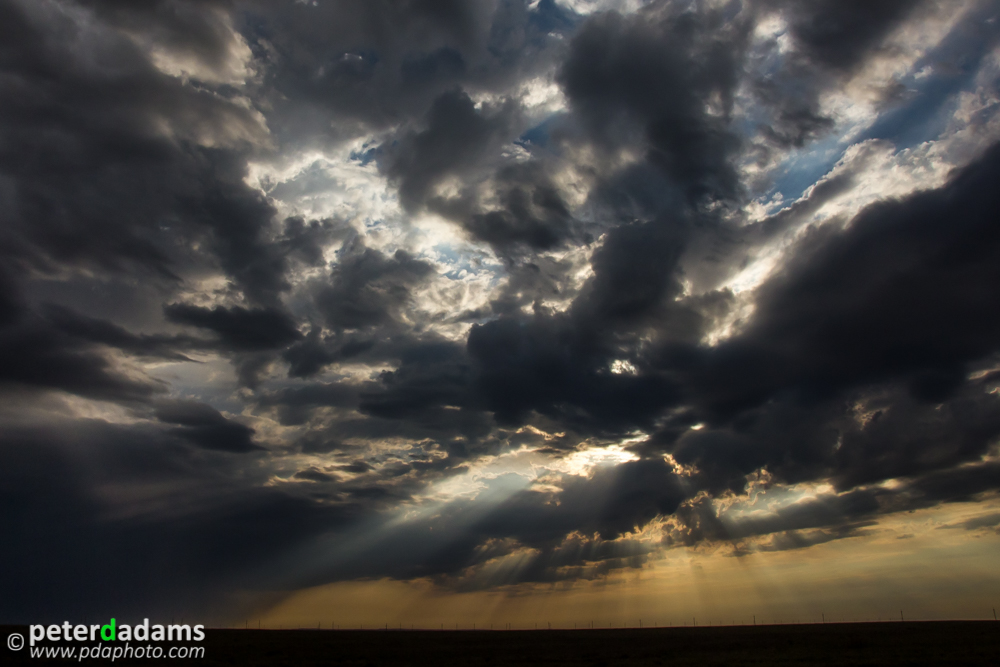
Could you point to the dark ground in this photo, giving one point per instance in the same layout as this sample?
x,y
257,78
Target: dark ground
x,y
914,643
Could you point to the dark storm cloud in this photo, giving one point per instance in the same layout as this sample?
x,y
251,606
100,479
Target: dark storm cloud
x,y
984,521
312,395
796,119
204,426
839,33
304,240
12,306
831,41
296,405
532,212
361,302
907,439
374,65
796,526
528,283
900,294
456,137
429,375
62,350
559,365
802,540
959,484
660,71
314,475
635,271
238,328
313,354
544,365
367,288
198,29
119,170
107,333
785,437
42,358
429,396
823,511
855,440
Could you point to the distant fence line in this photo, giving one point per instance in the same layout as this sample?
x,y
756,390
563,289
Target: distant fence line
x,y
638,624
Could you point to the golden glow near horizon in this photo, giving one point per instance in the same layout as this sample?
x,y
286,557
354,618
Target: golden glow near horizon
x,y
921,563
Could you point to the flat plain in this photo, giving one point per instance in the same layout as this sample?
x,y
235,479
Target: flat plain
x,y
936,643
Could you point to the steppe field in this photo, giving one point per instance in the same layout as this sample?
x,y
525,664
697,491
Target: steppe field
x,y
963,643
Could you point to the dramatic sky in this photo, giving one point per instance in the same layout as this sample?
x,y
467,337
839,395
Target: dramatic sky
x,y
413,311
